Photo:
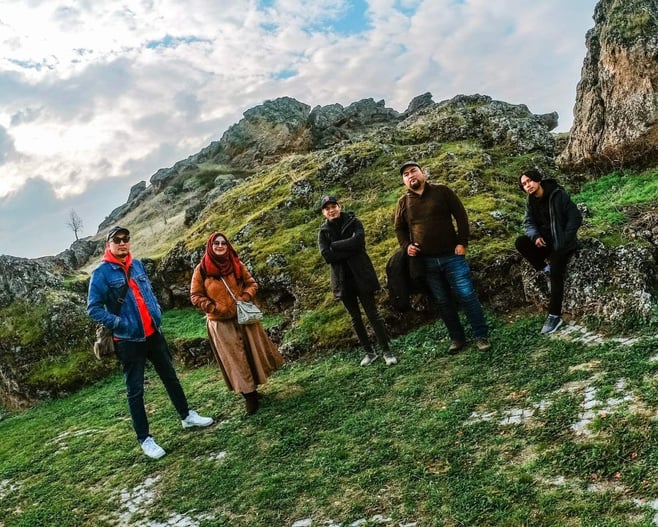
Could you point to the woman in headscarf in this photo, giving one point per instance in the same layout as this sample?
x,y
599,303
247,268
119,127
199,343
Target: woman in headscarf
x,y
245,353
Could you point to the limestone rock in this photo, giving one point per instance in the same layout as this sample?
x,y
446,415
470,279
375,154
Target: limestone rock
x,y
81,251
611,283
275,127
479,117
616,110
26,279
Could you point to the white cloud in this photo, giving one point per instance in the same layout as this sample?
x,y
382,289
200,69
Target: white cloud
x,y
98,93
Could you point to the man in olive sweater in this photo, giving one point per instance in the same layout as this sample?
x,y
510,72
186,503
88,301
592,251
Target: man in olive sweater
x,y
424,228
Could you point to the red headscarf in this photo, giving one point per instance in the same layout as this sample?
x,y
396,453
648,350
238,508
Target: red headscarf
x,y
213,265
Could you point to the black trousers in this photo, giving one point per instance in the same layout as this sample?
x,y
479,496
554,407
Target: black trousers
x,y
351,300
537,256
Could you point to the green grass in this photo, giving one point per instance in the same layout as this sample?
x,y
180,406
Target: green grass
x,y
609,196
426,441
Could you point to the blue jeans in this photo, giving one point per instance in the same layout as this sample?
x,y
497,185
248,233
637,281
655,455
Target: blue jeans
x,y
449,279
132,356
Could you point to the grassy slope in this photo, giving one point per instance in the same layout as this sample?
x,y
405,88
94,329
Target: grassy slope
x,y
425,441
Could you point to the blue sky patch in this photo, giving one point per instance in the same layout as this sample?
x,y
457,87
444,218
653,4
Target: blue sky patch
x,y
408,8
284,74
171,42
350,21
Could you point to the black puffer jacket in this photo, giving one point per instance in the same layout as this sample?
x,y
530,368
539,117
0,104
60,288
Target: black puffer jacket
x,y
344,248
553,217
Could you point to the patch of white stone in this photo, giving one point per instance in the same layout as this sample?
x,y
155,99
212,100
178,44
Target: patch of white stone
x,y
138,499
592,407
653,504
217,456
578,333
7,487
60,440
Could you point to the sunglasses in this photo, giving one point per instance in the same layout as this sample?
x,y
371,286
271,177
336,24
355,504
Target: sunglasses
x,y
219,242
120,239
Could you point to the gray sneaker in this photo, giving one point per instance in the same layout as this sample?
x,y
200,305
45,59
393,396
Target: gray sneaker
x,y
553,322
152,449
368,359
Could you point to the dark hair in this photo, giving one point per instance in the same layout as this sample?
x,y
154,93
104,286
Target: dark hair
x,y
532,173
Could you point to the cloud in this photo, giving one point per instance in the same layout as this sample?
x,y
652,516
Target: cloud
x,y
106,93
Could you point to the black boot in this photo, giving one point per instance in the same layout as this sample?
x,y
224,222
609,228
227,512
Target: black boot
x,y
251,402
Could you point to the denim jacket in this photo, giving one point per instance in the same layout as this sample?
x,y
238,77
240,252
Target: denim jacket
x,y
105,287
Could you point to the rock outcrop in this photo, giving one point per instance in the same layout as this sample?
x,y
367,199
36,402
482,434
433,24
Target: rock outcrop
x,y
616,111
479,117
23,278
612,285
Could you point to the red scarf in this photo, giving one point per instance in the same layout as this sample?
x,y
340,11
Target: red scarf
x,y
213,265
147,321
109,257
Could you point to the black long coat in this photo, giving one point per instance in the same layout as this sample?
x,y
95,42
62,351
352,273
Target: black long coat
x,y
347,250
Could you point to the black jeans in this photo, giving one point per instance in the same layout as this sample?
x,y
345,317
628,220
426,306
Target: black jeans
x,y
537,257
351,300
132,356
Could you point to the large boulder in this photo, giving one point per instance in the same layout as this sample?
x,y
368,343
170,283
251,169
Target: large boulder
x,y
482,118
332,124
616,112
612,284
267,131
27,279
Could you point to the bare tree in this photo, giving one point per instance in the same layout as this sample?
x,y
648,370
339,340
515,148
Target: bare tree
x,y
74,223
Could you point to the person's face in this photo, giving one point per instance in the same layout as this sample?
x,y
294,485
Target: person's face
x,y
529,185
120,245
413,177
220,246
331,211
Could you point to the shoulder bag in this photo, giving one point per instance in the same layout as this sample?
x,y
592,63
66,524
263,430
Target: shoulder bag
x,y
248,313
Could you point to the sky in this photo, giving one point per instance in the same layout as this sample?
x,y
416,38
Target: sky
x,y
97,95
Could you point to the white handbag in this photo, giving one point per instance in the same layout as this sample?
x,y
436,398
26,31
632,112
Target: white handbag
x,y
248,313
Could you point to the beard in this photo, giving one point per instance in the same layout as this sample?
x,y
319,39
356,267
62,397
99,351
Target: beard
x,y
414,185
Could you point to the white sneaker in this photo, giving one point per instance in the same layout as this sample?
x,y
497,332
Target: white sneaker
x,y
389,359
194,419
368,359
152,449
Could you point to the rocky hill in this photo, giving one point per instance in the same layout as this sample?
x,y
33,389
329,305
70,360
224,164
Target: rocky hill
x,y
261,182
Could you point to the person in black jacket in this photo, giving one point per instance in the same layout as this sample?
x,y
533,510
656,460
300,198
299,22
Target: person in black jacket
x,y
551,224
342,244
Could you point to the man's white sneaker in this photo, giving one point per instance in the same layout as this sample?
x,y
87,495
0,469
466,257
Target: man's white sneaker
x,y
368,359
194,419
152,449
389,359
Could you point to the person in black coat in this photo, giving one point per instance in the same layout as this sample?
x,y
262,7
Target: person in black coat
x,y
342,244
551,225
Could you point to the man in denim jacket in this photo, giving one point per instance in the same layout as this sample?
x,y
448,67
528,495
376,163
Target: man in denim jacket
x,y
135,324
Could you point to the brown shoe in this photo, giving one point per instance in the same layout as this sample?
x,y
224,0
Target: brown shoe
x,y
251,402
483,344
455,347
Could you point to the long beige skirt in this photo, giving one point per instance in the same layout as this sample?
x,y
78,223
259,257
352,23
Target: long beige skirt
x,y
245,354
